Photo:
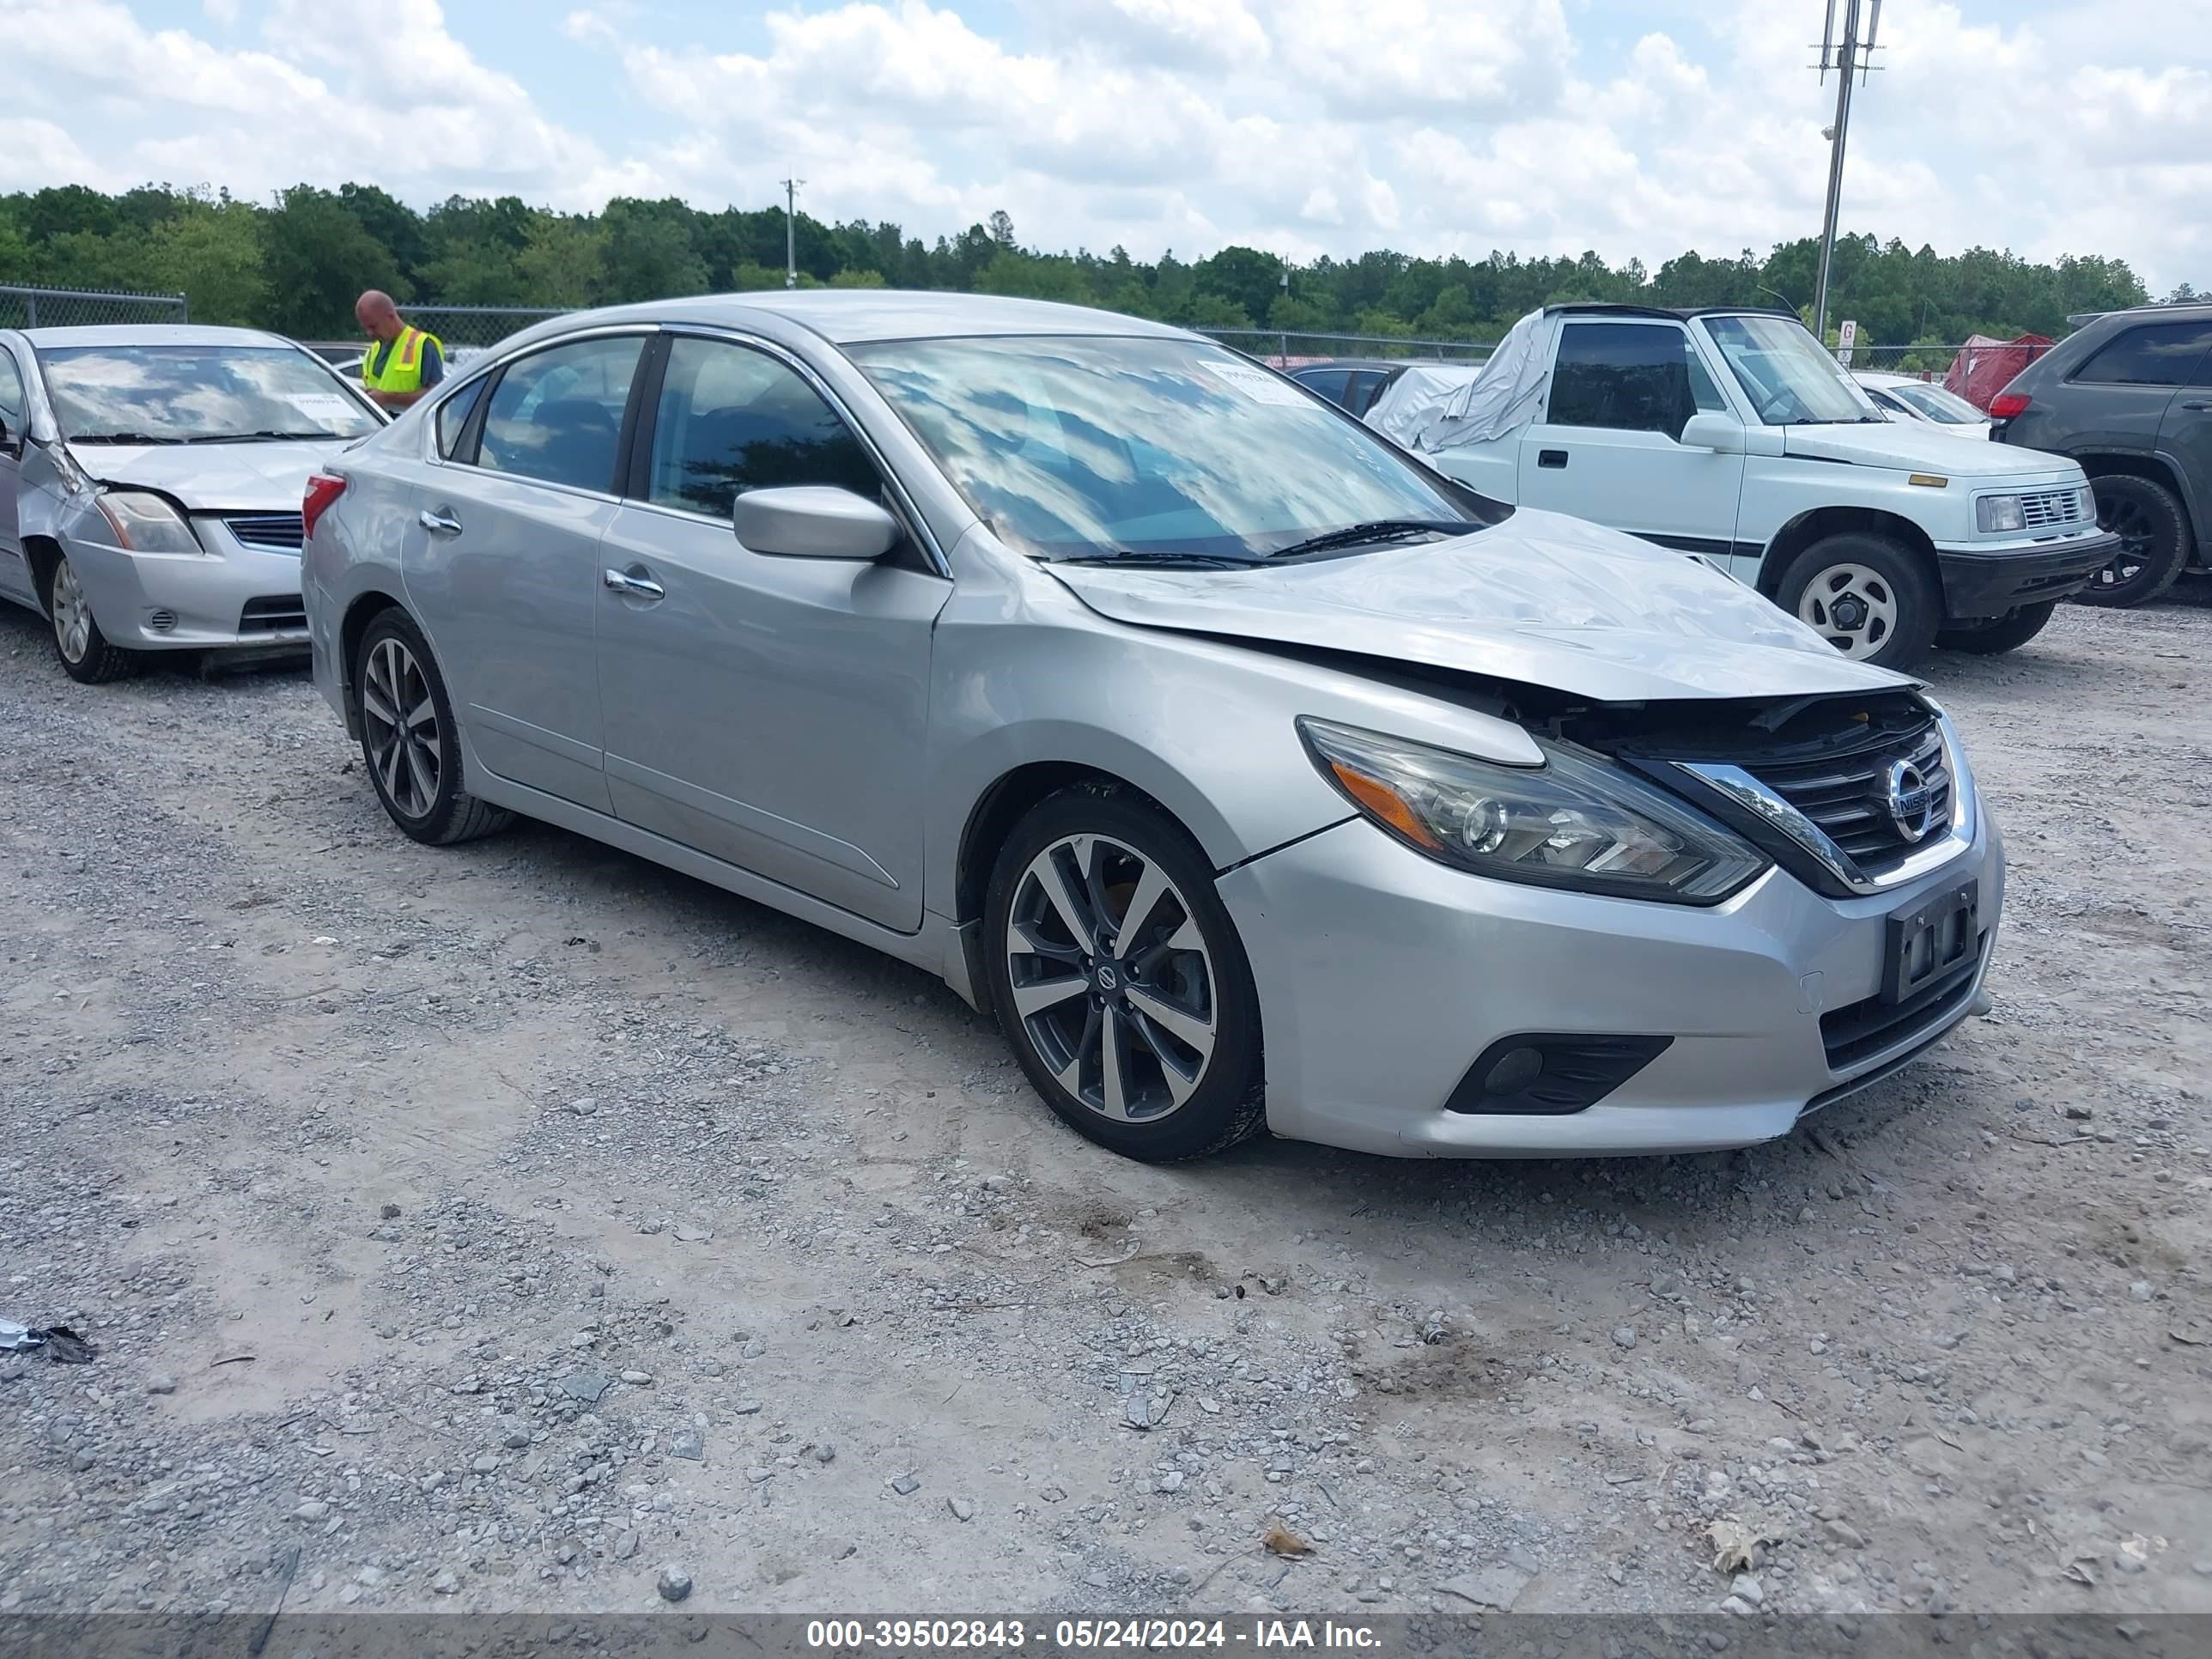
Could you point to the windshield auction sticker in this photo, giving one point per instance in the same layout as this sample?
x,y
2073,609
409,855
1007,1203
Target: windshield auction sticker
x,y
1260,387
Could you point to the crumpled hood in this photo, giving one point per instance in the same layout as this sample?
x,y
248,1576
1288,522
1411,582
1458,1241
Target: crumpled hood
x,y
1541,599
1918,447
255,477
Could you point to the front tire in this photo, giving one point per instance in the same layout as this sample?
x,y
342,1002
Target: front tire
x,y
86,655
1868,595
1993,638
410,742
2154,533
1118,980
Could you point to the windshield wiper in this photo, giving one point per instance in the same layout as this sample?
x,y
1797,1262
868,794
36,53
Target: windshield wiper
x,y
256,437
1378,529
123,438
1160,561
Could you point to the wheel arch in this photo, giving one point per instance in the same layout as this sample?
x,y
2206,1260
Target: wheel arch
x,y
360,610
2151,468
1822,522
43,554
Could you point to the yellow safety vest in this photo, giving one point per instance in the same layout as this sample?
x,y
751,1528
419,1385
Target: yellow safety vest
x,y
403,365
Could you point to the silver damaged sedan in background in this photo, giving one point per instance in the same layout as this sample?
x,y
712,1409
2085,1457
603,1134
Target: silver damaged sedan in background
x,y
1248,771
150,479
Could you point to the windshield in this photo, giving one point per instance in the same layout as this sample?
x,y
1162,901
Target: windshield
x,y
1789,381
197,394
1936,403
1103,448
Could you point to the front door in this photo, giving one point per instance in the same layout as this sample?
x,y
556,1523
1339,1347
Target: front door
x,y
1606,448
769,712
502,551
15,413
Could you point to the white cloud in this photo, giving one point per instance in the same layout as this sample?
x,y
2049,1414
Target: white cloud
x,y
1302,127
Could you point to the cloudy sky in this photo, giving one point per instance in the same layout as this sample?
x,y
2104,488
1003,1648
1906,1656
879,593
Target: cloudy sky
x,y
1303,126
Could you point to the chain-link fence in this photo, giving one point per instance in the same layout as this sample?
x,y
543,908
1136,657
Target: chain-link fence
x,y
1931,362
1286,350
73,307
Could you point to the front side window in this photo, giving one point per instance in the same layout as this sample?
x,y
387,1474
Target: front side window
x,y
12,401
1786,376
1099,448
2156,354
556,416
732,419
197,394
1632,377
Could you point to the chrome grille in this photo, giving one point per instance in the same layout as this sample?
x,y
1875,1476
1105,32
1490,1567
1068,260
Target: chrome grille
x,y
1846,794
273,530
2054,509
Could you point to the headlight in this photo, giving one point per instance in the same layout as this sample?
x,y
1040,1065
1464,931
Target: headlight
x,y
1994,514
146,524
1573,822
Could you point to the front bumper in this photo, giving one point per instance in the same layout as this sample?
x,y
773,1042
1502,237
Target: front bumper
x,y
1383,976
232,596
1982,582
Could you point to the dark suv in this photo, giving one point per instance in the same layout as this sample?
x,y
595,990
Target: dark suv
x,y
2129,396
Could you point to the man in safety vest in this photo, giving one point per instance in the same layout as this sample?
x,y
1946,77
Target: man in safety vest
x,y
403,362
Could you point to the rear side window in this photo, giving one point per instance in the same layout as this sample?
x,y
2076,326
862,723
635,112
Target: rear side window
x,y
454,417
731,419
2151,353
1330,383
556,416
1633,377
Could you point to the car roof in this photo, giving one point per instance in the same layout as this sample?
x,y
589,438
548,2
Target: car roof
x,y
854,316
2193,311
152,334
1884,377
1604,307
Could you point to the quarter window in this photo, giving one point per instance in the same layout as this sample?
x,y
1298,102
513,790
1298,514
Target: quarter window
x,y
556,416
2156,354
1633,377
732,419
454,417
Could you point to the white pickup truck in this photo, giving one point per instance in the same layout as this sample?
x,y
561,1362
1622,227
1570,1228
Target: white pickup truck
x,y
1731,434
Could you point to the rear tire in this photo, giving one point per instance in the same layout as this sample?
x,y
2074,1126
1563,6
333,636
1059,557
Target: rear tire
x,y
86,655
2000,635
1118,980
1868,595
410,742
2154,532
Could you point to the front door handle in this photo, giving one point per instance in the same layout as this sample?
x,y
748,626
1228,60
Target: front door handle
x,y
631,586
1552,457
2200,404
438,524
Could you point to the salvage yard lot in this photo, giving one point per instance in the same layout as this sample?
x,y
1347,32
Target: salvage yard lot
x,y
579,1219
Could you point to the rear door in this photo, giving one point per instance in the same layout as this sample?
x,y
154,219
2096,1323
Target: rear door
x,y
2122,393
501,560
15,413
2184,437
769,712
1608,447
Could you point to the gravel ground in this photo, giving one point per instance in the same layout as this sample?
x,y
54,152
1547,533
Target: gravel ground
x,y
523,1226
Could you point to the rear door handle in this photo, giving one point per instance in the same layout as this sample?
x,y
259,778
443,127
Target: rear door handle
x,y
632,586
1552,457
439,523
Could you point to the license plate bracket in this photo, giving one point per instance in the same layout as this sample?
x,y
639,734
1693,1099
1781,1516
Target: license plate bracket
x,y
1932,942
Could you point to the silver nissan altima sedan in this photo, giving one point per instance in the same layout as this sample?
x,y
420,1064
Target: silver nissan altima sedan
x,y
1247,771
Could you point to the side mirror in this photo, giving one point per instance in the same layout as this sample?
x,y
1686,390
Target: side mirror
x,y
1722,434
813,521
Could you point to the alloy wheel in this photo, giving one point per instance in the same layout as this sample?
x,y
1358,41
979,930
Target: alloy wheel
x,y
72,614
1852,607
1112,981
2127,520
399,719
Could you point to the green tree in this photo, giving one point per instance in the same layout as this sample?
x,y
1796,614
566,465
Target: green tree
x,y
213,256
562,262
650,254
319,258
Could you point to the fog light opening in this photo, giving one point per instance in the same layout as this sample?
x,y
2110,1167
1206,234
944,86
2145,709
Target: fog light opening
x,y
1551,1073
162,620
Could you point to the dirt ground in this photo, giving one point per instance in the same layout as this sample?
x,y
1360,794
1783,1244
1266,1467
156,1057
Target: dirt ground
x,y
521,1225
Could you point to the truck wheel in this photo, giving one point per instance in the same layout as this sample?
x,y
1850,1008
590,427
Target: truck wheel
x,y
2153,534
2000,634
1868,595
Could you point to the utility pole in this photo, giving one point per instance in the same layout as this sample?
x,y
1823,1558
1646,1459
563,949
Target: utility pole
x,y
791,230
1851,57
